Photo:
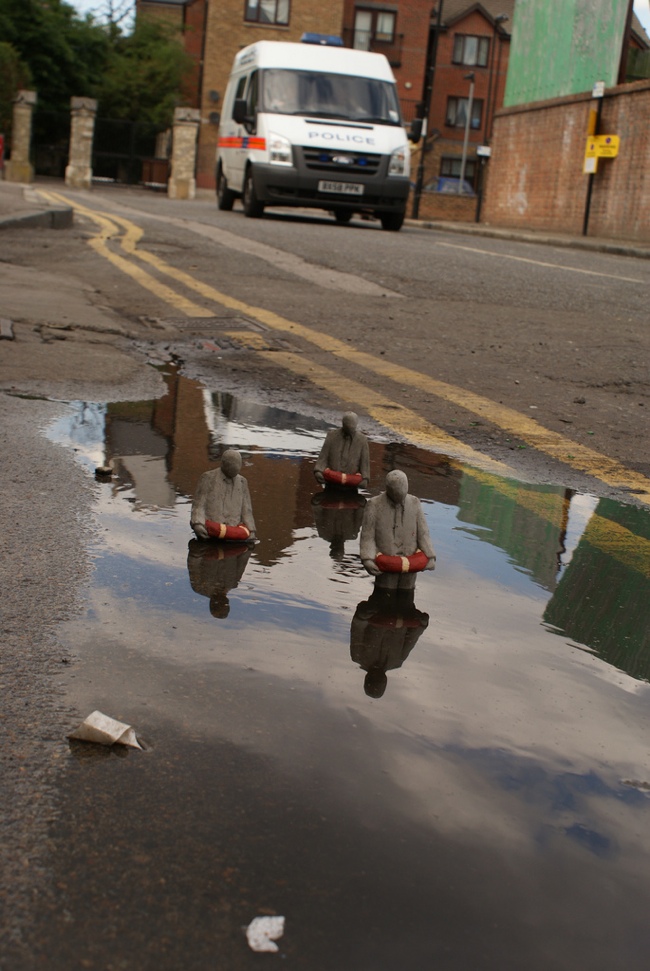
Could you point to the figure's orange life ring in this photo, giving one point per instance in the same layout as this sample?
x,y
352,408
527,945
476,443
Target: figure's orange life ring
x,y
352,479
230,533
402,564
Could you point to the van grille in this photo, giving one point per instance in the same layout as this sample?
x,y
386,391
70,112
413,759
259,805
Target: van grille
x,y
331,160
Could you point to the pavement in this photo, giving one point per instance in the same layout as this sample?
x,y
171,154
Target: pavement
x,y
21,205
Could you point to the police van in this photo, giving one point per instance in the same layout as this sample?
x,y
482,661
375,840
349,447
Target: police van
x,y
313,125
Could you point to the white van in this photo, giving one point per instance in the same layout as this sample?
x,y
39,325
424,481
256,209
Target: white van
x,y
313,125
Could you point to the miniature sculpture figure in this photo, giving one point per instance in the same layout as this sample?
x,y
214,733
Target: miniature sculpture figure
x,y
222,504
344,459
395,540
215,569
384,630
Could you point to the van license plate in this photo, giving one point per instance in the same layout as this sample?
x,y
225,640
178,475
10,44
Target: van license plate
x,y
342,188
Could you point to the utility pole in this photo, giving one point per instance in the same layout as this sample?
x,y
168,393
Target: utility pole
x,y
429,76
470,104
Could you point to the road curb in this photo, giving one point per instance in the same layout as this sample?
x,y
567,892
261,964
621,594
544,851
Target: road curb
x,y
60,218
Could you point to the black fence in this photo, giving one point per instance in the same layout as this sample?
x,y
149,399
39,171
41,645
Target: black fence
x,y
122,150
50,142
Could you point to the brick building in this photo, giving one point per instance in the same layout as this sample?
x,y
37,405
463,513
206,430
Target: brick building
x,y
216,29
473,38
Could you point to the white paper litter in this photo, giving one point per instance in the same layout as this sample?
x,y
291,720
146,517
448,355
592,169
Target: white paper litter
x,y
103,730
262,931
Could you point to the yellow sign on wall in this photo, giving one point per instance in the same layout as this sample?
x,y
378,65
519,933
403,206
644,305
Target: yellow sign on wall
x,y
599,146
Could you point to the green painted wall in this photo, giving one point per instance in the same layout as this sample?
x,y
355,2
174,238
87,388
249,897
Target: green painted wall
x,y
562,47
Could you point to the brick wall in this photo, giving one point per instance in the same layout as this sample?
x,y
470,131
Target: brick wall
x,y
227,33
445,208
535,173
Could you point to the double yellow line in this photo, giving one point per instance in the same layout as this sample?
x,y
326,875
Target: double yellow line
x,y
390,414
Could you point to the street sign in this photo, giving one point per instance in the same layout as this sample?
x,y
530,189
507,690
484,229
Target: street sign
x,y
607,145
483,150
599,146
598,90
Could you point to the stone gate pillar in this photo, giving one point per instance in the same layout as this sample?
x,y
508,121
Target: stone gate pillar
x,y
78,172
19,168
182,184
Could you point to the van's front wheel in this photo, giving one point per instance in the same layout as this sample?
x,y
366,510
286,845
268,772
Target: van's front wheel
x,y
253,208
392,221
225,196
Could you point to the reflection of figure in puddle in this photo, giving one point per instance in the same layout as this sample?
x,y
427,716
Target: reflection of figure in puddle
x,y
344,453
222,497
215,569
384,631
338,518
394,527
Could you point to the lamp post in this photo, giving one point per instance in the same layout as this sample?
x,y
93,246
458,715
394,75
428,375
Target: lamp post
x,y
489,111
430,70
468,119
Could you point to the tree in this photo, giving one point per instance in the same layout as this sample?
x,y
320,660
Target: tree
x,y
144,73
14,76
46,44
65,54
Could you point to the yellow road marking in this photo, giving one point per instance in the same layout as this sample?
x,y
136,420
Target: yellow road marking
x,y
550,506
108,230
604,534
568,452
392,416
619,542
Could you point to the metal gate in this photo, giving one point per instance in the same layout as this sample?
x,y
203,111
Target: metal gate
x,y
50,142
120,148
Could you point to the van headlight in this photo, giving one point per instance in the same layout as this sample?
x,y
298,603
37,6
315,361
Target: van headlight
x,y
399,162
279,149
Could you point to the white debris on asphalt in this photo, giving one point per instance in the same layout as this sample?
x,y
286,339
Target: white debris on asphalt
x,y
103,730
262,931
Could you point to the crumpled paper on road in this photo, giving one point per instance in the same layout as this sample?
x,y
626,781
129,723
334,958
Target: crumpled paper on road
x,y
262,931
103,730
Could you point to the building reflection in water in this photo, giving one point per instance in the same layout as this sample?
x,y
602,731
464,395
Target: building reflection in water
x,y
591,557
384,630
215,569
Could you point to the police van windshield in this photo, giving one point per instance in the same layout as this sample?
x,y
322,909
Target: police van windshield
x,y
339,96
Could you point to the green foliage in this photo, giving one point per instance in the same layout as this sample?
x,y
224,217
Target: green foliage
x,y
137,77
65,54
14,76
144,74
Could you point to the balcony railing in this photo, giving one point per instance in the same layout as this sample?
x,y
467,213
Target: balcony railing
x,y
367,40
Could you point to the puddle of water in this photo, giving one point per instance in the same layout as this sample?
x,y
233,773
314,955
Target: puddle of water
x,y
441,778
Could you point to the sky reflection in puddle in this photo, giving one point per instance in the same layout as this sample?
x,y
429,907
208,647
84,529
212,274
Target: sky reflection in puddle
x,y
515,704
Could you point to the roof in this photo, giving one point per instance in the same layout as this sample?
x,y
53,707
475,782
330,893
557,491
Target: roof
x,y
639,32
453,10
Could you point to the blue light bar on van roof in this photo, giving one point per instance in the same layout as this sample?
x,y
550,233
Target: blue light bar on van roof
x,y
329,40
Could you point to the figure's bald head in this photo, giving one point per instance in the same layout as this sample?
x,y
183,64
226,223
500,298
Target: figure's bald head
x,y
349,423
397,485
231,462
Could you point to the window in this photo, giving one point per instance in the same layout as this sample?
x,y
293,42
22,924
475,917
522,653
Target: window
x,y
471,50
373,25
267,11
457,113
450,168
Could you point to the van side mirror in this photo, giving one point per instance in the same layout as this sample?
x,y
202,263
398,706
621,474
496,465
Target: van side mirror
x,y
415,131
239,111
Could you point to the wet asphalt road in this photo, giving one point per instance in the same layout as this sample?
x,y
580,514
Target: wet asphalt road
x,y
157,860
